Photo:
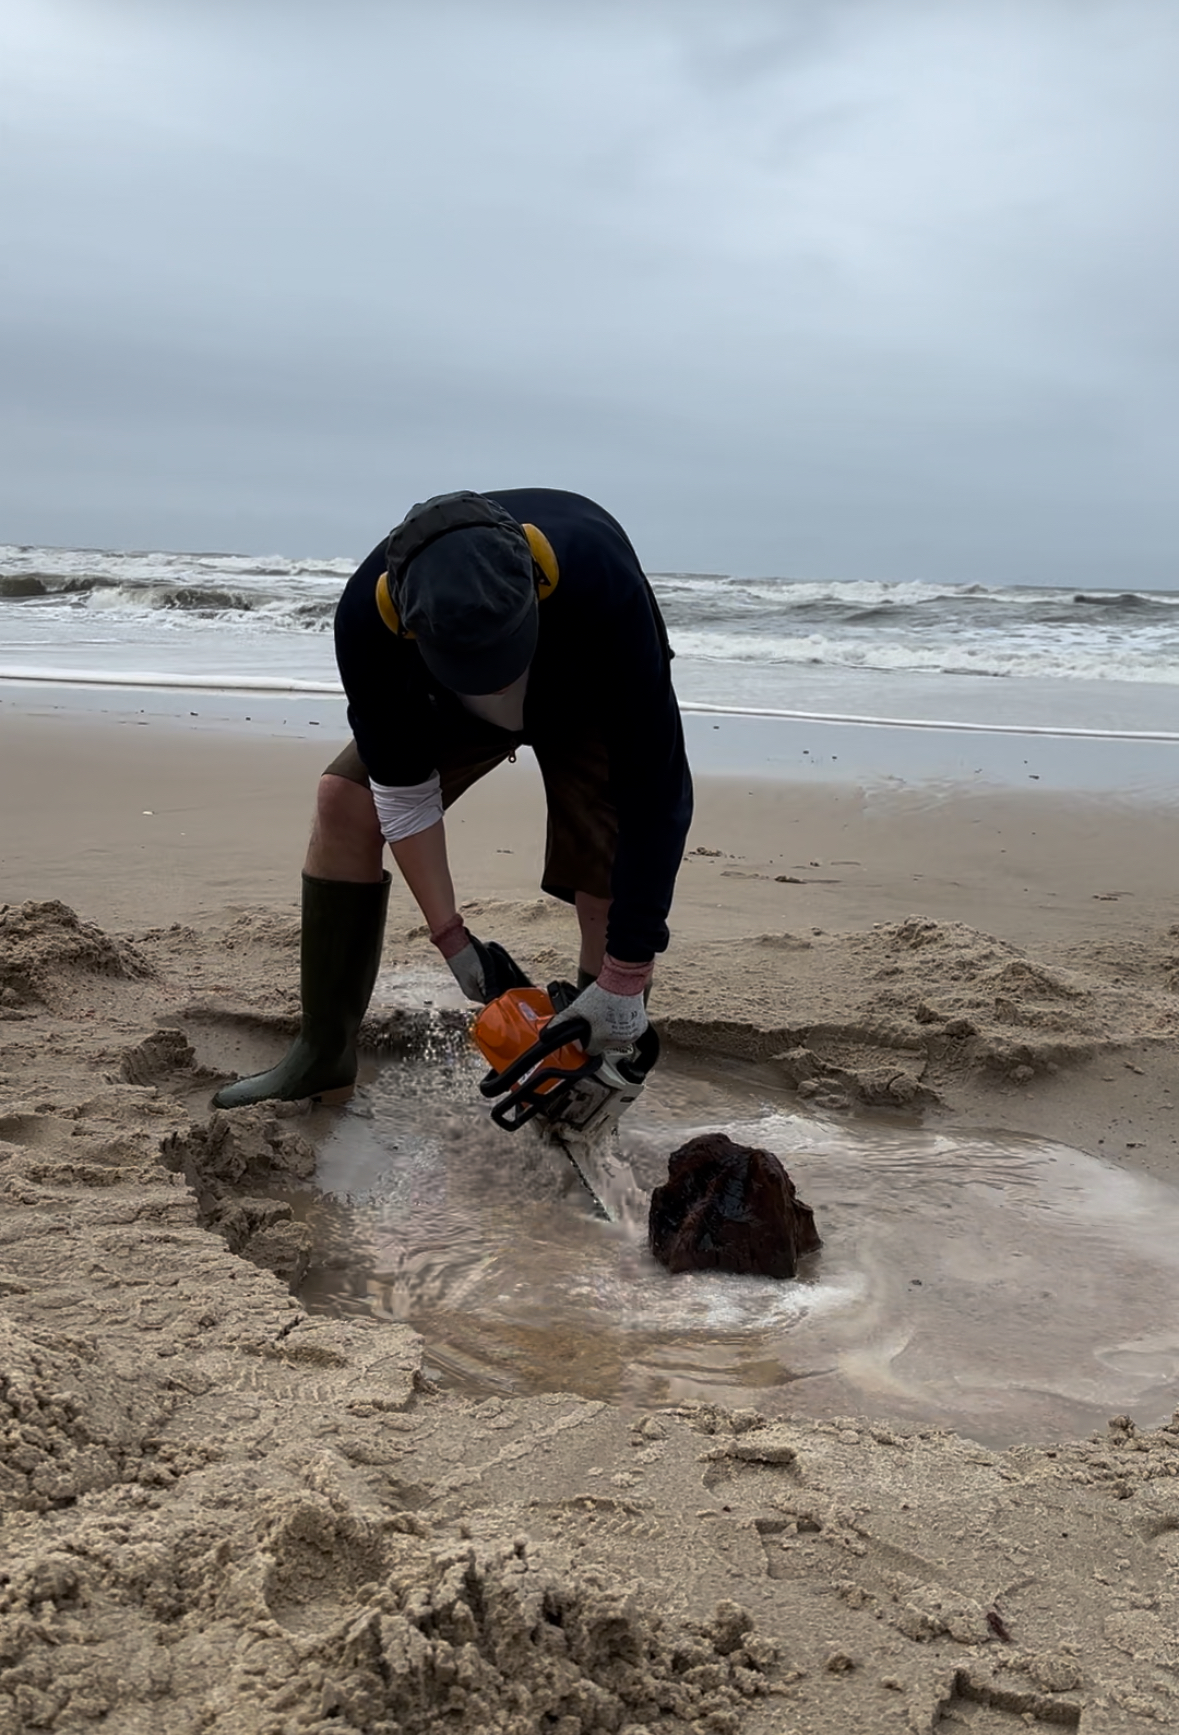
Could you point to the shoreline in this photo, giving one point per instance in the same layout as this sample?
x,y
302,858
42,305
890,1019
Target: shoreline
x,y
803,746
268,687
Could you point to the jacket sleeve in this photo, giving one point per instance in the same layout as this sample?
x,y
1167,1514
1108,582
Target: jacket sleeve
x,y
650,781
388,702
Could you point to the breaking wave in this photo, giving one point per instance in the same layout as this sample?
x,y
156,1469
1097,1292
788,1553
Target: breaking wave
x,y
54,599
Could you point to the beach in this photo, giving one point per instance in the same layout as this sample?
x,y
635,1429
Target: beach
x,y
813,364
226,1507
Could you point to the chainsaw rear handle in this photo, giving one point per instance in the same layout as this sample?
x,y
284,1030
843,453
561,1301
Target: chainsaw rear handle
x,y
573,1030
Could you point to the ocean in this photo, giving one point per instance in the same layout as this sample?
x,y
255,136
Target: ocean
x,y
968,657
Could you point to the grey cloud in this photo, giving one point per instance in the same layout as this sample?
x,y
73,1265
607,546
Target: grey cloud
x,y
862,290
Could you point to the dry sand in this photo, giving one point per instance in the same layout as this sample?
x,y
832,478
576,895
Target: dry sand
x,y
222,1513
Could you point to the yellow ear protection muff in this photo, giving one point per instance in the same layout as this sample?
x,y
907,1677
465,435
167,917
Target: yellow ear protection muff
x,y
544,560
388,609
437,517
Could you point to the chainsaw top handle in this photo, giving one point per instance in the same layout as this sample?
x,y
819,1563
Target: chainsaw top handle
x,y
572,1030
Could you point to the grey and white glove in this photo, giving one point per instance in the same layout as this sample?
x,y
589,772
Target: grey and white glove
x,y
467,968
613,1007
483,972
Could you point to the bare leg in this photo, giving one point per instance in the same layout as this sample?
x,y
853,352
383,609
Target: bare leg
x,y
346,841
591,915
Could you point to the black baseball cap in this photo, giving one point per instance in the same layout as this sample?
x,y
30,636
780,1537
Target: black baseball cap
x,y
461,575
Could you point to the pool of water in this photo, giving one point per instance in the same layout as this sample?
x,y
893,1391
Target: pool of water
x,y
1004,1286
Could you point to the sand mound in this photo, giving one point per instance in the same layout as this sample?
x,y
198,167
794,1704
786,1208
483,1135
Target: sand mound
x,y
261,928
67,1428
46,952
923,1004
158,1057
242,1147
229,1154
309,1617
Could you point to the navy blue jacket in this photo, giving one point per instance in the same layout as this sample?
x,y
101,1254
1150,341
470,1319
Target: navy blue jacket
x,y
601,670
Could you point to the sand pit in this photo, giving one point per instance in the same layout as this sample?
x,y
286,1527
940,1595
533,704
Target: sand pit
x,y
1009,1287
222,1511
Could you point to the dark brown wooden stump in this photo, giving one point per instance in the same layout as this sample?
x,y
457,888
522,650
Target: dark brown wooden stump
x,y
729,1207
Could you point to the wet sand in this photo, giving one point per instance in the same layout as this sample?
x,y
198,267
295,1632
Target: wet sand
x,y
222,1511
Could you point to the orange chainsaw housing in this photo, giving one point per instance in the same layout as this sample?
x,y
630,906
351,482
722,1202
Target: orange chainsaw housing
x,y
514,1023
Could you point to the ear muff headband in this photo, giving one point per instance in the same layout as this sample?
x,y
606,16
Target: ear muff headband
x,y
547,570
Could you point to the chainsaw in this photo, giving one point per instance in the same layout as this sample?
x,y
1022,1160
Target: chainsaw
x,y
542,1074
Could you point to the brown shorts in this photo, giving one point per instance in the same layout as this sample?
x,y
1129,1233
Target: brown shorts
x,y
582,823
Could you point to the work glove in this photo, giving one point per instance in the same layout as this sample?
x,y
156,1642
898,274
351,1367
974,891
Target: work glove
x,y
613,1007
483,972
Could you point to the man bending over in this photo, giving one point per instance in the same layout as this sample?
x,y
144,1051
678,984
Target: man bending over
x,y
482,622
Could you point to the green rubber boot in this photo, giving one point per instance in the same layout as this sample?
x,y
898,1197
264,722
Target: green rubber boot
x,y
343,927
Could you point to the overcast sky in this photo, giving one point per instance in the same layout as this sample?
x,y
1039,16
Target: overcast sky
x,y
829,288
